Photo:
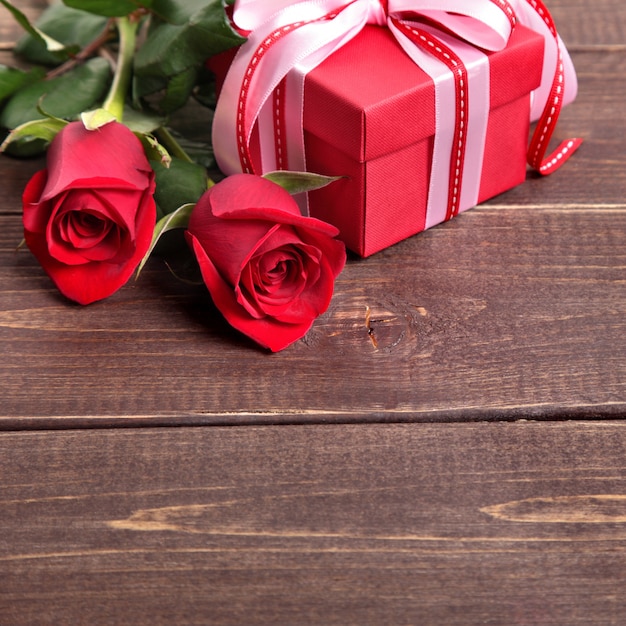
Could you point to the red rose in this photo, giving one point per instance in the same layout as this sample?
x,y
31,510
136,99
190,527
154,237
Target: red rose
x,y
270,271
89,217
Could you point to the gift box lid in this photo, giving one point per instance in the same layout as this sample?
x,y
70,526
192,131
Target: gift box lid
x,y
369,98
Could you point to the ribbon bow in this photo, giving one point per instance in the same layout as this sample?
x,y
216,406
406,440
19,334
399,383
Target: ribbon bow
x,y
287,35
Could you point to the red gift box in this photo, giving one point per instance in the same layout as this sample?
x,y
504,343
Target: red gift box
x,y
369,115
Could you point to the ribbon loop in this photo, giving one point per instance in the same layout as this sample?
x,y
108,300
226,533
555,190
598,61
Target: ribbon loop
x,y
377,12
486,24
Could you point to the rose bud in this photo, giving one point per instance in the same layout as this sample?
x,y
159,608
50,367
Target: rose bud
x,y
89,217
269,270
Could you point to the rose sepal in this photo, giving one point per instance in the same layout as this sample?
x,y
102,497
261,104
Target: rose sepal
x,y
92,120
45,129
299,182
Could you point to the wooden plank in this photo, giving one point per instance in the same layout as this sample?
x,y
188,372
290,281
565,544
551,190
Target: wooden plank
x,y
393,524
582,25
498,314
501,313
515,308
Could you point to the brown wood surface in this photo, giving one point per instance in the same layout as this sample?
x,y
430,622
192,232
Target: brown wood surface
x,y
339,524
500,346
515,309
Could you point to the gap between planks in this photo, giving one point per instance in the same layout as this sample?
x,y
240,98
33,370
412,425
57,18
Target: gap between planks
x,y
540,412
557,208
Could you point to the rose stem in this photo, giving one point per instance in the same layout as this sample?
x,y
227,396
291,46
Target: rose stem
x,y
166,138
114,103
84,54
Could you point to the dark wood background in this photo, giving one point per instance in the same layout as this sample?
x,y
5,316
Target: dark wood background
x,y
466,467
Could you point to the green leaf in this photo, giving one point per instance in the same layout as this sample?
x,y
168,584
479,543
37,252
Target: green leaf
x,y
50,43
299,182
65,97
176,11
181,182
172,49
178,90
200,151
75,29
177,219
26,147
45,129
12,79
108,8
142,122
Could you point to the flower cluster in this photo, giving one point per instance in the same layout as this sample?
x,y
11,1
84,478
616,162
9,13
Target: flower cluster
x,y
107,78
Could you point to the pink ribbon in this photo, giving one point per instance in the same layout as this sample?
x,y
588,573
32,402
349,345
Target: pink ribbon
x,y
558,88
265,83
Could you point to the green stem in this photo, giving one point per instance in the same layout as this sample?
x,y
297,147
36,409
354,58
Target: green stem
x,y
167,140
88,51
173,147
114,104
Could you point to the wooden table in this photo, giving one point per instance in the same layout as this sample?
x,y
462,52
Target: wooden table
x,y
465,463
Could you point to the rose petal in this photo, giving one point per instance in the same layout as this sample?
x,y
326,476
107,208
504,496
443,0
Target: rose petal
x,y
90,236
35,214
80,230
285,302
246,290
260,298
249,197
287,238
280,274
314,300
333,250
115,210
120,205
264,263
276,294
95,280
110,157
245,294
240,193
266,331
231,229
230,244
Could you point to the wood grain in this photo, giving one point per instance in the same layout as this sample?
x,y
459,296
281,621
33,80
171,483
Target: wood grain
x,y
319,511
580,24
390,524
526,318
514,309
